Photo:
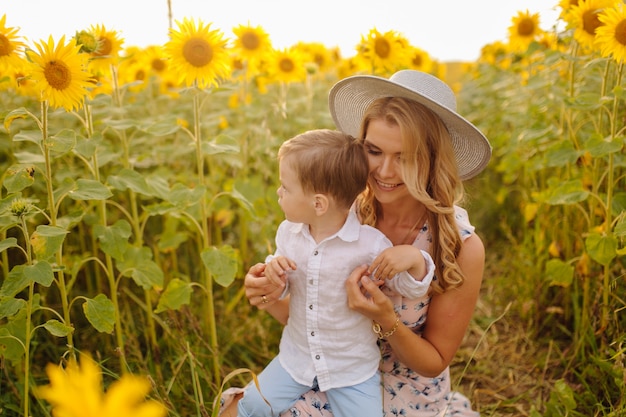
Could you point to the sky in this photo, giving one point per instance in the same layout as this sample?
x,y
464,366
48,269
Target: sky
x,y
448,30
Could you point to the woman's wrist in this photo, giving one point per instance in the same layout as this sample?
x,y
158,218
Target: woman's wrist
x,y
386,331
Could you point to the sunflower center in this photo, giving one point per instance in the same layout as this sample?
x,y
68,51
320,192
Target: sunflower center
x,y
526,27
198,52
58,75
382,48
620,32
286,65
5,46
105,46
250,41
591,22
158,65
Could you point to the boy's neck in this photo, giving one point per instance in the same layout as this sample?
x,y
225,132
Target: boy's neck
x,y
328,224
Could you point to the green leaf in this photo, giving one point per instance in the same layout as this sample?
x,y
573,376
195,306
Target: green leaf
x,y
127,178
15,282
41,273
620,227
100,312
58,329
138,265
163,128
18,177
559,273
62,142
7,243
114,239
90,190
46,241
599,147
221,144
177,294
183,196
222,263
33,136
20,113
9,306
569,192
602,249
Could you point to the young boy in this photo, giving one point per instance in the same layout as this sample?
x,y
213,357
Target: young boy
x,y
325,344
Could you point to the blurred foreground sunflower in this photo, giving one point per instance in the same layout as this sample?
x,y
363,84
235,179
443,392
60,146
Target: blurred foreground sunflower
x,y
60,73
77,391
198,54
611,36
11,46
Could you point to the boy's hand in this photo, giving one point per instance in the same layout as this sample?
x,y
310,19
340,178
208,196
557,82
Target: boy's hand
x,y
276,270
397,259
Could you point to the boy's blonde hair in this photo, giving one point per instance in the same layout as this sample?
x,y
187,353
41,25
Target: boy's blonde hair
x,y
328,162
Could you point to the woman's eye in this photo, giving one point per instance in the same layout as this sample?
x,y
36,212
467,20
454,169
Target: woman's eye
x,y
373,152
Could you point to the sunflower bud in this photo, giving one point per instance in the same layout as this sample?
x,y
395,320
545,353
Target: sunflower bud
x,y
87,41
20,207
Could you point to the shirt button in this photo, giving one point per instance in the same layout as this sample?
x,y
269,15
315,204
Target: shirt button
x,y
310,306
315,253
312,333
317,357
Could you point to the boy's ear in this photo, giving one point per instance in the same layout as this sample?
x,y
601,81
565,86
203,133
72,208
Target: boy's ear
x,y
320,203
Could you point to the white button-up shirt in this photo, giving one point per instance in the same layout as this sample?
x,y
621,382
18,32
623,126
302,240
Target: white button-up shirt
x,y
323,338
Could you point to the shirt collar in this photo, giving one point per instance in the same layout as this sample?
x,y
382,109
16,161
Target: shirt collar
x,y
349,232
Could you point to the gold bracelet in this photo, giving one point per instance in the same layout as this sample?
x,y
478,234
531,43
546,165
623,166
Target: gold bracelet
x,y
379,331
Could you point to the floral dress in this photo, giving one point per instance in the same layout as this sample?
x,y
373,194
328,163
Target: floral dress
x,y
405,392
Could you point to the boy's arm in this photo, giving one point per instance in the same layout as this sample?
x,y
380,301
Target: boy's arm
x,y
408,271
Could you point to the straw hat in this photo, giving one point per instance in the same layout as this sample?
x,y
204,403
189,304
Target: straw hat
x,y
350,97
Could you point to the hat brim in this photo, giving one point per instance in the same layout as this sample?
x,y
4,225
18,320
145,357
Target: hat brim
x,y
349,98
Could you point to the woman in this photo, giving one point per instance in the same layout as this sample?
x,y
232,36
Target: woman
x,y
419,151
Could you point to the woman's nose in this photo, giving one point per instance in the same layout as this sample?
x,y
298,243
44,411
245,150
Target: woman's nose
x,y
386,167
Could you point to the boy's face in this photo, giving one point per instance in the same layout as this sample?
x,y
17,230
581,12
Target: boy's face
x,y
297,204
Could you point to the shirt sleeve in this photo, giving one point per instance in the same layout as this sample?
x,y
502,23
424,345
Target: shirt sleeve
x,y
279,240
405,285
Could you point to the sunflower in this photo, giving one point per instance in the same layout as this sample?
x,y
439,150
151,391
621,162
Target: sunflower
x,y
611,36
386,52
108,47
420,59
566,7
584,18
286,65
524,30
251,44
60,73
77,391
11,47
198,54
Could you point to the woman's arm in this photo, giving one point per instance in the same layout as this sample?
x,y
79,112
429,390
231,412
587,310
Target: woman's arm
x,y
449,314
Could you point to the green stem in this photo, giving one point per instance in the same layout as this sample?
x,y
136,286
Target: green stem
x,y
208,279
53,221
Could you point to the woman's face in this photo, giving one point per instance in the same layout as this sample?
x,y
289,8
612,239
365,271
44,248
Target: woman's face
x,y
383,144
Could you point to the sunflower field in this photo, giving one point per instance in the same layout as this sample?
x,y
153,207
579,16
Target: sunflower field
x,y
139,184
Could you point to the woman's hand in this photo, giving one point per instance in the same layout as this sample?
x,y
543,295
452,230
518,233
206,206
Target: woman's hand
x,y
260,290
366,297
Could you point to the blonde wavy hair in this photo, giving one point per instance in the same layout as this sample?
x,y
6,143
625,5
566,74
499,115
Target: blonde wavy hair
x,y
430,173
